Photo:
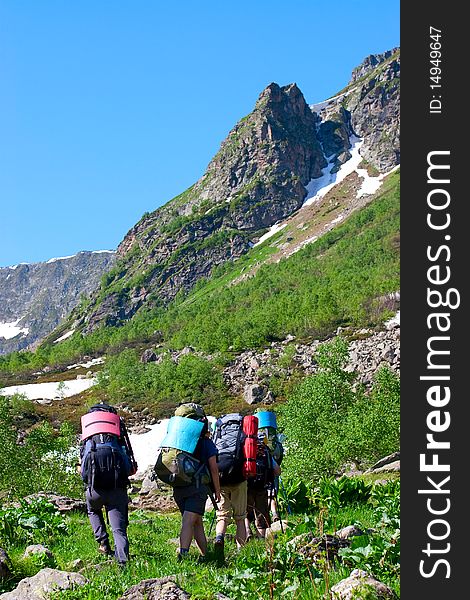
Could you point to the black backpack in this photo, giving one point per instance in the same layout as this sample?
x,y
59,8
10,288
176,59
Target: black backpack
x,y
228,439
105,464
264,479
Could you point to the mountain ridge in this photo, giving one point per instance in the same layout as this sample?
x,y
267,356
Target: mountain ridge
x,y
260,177
256,179
36,297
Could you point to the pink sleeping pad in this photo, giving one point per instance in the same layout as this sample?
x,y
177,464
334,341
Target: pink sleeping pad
x,y
100,422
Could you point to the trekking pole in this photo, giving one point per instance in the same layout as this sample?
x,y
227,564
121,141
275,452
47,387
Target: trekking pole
x,y
276,503
211,496
212,524
127,443
289,511
214,504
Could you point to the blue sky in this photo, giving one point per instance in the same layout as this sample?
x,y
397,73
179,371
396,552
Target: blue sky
x,y
109,108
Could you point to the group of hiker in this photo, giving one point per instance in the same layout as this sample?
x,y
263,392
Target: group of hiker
x,y
234,461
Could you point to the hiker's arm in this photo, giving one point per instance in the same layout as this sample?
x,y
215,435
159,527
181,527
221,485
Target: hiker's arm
x,y
276,469
78,464
214,471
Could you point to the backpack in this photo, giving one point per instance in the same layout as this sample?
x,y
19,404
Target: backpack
x,y
176,463
179,468
229,438
274,444
264,478
278,451
105,464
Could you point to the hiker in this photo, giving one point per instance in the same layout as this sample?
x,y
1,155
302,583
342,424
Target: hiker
x,y
267,424
187,460
230,435
260,489
106,462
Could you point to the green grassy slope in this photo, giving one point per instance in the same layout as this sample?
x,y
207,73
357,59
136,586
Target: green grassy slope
x,y
337,280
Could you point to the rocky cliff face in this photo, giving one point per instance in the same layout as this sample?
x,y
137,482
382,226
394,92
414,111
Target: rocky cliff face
x,y
35,298
257,178
368,107
375,112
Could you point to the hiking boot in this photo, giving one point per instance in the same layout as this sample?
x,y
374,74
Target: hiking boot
x,y
202,559
219,549
105,549
181,554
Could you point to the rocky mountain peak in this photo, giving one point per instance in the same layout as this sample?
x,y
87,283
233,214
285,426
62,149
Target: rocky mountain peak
x,y
370,63
256,179
274,147
287,99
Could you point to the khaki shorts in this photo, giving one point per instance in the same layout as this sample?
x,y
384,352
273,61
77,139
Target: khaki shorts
x,y
232,502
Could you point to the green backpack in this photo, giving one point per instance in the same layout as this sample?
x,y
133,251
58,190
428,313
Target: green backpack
x,y
176,463
179,468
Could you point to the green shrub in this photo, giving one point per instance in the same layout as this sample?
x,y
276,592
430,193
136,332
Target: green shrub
x,y
372,430
33,521
41,461
162,385
337,493
329,423
314,415
293,496
378,552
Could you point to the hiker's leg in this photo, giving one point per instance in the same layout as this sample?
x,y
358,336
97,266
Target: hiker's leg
x,y
273,507
194,508
260,530
239,503
241,532
200,535
94,505
118,506
192,504
224,511
263,520
250,513
187,529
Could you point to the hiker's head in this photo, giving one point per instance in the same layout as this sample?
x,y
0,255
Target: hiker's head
x,y
191,410
102,406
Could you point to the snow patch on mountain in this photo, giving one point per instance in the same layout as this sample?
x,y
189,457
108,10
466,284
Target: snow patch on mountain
x,y
319,106
319,187
88,364
10,330
65,336
274,229
52,390
145,445
53,260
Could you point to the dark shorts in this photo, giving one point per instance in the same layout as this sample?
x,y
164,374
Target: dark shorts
x,y
258,508
191,498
